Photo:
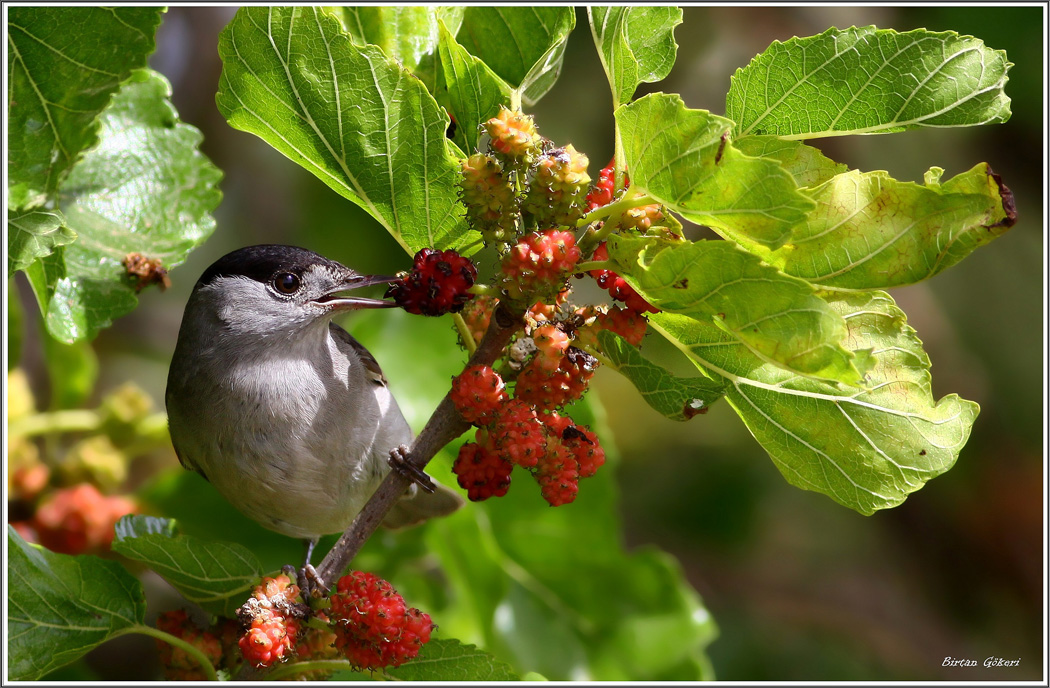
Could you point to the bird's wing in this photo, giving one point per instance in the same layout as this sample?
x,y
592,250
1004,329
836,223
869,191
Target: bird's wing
x,y
375,373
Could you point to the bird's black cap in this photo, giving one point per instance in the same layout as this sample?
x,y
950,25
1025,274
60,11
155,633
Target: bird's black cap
x,y
262,262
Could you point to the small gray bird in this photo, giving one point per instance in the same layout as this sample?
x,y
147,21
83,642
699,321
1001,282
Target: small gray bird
x,y
285,413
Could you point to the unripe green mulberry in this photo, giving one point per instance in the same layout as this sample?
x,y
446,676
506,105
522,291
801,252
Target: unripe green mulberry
x,y
558,190
641,218
491,204
513,134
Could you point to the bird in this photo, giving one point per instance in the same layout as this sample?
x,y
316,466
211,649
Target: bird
x,y
287,415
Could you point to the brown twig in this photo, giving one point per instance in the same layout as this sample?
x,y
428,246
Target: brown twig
x,y
445,425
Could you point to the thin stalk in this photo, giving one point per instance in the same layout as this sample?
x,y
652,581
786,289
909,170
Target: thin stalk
x,y
595,265
192,650
465,335
55,422
616,208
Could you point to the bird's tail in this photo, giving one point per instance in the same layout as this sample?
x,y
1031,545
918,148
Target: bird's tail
x,y
417,506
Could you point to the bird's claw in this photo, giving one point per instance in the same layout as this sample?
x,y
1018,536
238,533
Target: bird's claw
x,y
310,584
399,462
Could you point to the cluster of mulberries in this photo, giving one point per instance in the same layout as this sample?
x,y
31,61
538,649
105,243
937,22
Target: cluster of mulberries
x,y
272,617
526,197
374,628
525,430
539,264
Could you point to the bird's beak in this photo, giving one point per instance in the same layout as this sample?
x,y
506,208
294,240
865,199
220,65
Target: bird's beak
x,y
332,300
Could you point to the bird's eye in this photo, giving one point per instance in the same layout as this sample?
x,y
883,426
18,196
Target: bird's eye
x,y
287,283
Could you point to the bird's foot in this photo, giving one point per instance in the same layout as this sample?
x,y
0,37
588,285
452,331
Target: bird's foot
x,y
399,462
310,584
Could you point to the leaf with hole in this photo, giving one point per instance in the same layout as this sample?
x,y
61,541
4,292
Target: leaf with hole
x,y
408,34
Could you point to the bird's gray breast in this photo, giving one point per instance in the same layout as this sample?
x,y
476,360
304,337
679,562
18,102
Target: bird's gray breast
x,y
287,431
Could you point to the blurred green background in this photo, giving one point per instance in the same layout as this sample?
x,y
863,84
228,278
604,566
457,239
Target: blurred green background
x,y
801,588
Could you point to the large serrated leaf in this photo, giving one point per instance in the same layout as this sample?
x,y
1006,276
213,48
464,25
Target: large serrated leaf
x,y
470,91
869,81
525,46
65,65
218,576
866,449
684,159
777,317
33,234
62,606
144,188
636,45
870,231
348,114
678,398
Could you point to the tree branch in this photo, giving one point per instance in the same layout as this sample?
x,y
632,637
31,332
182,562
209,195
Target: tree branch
x,y
445,425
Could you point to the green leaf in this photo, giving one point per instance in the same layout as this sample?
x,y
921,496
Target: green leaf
x,y
635,45
218,576
65,65
806,164
144,188
678,398
74,310
451,660
525,46
61,606
778,318
33,234
406,34
685,160
348,114
865,449
869,81
469,90
871,231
